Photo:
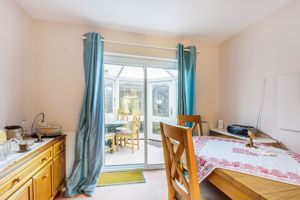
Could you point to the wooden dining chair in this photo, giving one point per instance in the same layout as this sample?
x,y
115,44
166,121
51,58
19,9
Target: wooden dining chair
x,y
132,134
195,120
178,143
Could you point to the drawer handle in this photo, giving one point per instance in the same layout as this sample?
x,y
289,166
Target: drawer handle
x,y
44,159
45,176
62,160
61,146
16,180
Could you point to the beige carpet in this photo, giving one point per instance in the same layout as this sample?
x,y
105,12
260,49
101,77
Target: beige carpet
x,y
155,188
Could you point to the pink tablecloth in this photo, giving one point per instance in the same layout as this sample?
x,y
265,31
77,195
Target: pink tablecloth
x,y
266,162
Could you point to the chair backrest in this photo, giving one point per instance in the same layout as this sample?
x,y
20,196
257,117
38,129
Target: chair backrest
x,y
195,120
178,143
136,123
123,115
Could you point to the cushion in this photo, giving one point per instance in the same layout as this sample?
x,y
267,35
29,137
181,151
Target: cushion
x,y
121,128
124,132
109,134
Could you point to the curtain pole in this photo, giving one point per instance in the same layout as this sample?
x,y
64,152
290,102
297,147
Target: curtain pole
x,y
140,45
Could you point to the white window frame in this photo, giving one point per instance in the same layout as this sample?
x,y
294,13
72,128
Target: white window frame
x,y
144,62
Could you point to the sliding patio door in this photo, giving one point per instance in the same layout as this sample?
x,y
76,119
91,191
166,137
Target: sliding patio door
x,y
124,98
161,107
135,87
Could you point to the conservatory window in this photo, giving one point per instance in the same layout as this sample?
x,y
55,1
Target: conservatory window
x,y
108,97
131,97
160,100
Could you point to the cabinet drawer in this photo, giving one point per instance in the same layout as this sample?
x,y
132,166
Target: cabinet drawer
x,y
24,173
59,147
23,193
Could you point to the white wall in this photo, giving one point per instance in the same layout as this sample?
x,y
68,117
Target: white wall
x,y
266,50
59,68
16,64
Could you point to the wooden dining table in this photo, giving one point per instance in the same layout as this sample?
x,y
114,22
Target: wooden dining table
x,y
113,124
239,186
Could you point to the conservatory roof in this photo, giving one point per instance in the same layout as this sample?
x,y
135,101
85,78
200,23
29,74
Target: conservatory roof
x,y
129,72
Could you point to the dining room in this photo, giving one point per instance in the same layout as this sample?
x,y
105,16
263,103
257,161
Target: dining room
x,y
152,100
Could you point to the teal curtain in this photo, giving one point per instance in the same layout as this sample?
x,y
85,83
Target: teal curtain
x,y
90,134
186,80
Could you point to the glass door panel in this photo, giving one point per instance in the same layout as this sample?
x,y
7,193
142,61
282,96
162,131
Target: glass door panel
x,y
124,115
161,107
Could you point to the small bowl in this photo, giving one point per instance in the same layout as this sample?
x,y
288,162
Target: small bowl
x,y
49,130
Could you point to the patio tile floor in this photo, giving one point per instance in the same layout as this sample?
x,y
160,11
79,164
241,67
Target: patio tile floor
x,y
125,156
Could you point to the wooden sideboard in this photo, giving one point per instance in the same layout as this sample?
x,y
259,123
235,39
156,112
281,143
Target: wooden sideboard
x,y
38,176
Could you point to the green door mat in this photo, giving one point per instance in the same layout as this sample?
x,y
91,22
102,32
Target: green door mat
x,y
118,178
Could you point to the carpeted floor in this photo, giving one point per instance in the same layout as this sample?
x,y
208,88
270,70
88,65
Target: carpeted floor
x,y
155,188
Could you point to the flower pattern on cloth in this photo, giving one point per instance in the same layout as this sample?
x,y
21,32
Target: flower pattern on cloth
x,y
244,151
231,154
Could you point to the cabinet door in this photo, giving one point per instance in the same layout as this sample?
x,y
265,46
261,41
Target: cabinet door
x,y
59,171
23,193
42,184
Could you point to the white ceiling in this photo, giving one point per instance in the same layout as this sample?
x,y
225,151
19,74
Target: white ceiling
x,y
207,19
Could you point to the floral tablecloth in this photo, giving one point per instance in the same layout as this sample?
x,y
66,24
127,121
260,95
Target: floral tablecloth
x,y
265,161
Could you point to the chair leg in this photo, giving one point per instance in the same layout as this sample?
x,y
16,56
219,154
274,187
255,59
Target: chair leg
x,y
138,141
132,143
117,138
172,193
113,144
172,196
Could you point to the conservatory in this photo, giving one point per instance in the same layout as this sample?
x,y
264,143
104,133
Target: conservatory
x,y
137,98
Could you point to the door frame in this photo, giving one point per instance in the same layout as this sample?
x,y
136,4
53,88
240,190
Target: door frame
x,y
143,62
